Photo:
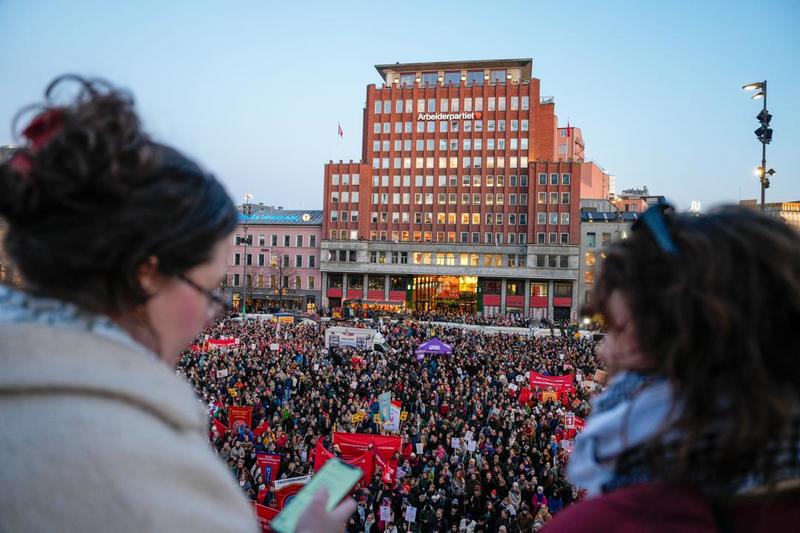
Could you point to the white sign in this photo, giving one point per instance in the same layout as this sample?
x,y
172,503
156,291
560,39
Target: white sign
x,y
222,373
280,483
386,513
411,514
471,446
454,442
274,346
468,436
420,448
569,420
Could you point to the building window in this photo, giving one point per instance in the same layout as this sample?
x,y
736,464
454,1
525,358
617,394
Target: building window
x,y
298,261
287,240
565,179
565,238
542,178
274,238
498,76
591,240
554,179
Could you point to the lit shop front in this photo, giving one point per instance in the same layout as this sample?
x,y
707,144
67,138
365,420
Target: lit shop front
x,y
445,293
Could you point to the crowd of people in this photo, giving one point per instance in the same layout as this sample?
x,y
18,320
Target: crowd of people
x,y
514,320
512,481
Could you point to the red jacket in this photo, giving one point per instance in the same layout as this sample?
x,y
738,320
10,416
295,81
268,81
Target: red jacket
x,y
666,507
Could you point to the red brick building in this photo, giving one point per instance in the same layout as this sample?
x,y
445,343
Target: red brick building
x,y
459,200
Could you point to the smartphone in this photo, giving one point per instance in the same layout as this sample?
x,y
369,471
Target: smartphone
x,y
336,476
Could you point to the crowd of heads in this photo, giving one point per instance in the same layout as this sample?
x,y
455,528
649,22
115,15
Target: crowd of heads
x,y
515,475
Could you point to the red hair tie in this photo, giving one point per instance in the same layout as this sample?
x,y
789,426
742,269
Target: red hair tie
x,y
39,132
43,128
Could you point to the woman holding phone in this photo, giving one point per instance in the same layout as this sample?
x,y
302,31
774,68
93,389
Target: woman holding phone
x,y
121,242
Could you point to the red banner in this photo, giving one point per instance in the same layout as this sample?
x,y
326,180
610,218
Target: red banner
x,y
365,461
557,383
270,465
353,444
265,515
286,492
238,415
222,343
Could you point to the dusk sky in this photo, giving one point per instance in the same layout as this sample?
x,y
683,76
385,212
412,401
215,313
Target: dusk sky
x,y
254,89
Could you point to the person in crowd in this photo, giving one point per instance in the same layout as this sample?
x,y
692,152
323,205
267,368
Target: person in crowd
x,y
699,427
121,242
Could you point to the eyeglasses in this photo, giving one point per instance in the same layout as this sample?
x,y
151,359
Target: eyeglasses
x,y
216,302
654,221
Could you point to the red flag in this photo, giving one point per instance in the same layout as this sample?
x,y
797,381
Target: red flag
x,y
265,515
321,455
524,395
341,133
261,428
389,469
219,426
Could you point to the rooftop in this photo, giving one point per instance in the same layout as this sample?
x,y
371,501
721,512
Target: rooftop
x,y
526,64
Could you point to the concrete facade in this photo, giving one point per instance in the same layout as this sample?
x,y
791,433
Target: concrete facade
x,y
598,229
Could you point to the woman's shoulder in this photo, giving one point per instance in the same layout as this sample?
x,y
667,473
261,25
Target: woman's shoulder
x,y
650,506
60,365
665,506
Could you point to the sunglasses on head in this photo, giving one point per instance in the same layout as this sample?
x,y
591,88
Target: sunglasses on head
x,y
654,221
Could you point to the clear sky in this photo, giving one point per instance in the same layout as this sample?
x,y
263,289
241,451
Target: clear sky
x,y
254,89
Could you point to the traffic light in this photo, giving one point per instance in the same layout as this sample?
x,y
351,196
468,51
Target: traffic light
x,y
764,133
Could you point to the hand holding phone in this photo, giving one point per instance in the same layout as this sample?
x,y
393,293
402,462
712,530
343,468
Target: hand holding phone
x,y
314,508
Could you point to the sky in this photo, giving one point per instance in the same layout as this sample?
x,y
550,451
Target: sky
x,y
254,90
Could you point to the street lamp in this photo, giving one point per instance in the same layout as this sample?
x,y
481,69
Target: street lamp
x,y
247,210
763,133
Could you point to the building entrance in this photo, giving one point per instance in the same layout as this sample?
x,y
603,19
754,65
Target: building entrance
x,y
445,294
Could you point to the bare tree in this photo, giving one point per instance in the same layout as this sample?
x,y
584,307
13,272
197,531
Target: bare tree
x,y
282,275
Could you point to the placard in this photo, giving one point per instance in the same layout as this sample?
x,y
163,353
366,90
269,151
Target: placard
x,y
386,513
411,514
471,446
420,448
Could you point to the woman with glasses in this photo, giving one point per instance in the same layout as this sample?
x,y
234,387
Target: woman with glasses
x,y
121,242
699,428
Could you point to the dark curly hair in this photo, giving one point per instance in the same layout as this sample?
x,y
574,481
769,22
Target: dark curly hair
x,y
92,198
717,318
